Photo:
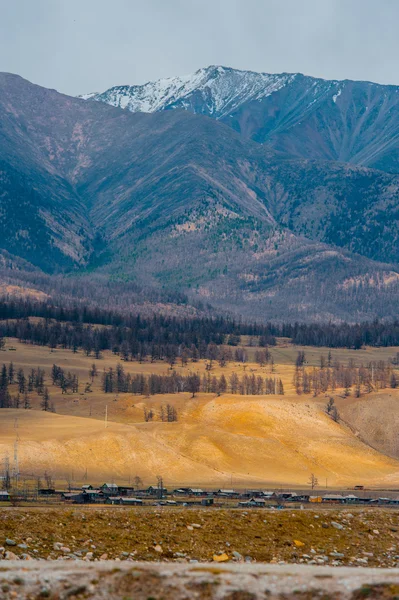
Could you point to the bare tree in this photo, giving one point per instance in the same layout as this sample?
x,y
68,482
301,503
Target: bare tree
x,y
330,406
138,481
45,403
48,479
160,486
335,414
93,372
193,384
313,481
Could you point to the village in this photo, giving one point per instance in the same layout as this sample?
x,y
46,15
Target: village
x,y
186,497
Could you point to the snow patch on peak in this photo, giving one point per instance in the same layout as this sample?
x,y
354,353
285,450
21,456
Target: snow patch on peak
x,y
337,95
88,96
214,90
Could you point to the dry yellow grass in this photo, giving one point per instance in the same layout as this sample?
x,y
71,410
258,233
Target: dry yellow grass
x,y
239,440
251,441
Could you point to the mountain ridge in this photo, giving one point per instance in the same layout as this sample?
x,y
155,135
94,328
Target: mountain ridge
x,y
297,115
172,200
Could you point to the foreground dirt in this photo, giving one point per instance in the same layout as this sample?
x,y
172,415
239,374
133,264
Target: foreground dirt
x,y
326,537
182,582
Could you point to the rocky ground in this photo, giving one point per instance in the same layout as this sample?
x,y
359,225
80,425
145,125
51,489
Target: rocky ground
x,y
366,537
149,581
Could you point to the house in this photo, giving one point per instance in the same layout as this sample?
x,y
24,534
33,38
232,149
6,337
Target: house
x,y
114,500
315,499
196,492
73,497
182,492
154,490
269,495
293,497
128,501
254,502
87,486
126,490
124,500
4,496
207,502
350,499
109,488
302,498
333,498
93,496
46,491
284,495
226,493
366,500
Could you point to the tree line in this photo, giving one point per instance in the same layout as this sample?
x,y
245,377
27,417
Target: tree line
x,y
345,335
25,385
332,375
93,340
118,381
157,328
67,324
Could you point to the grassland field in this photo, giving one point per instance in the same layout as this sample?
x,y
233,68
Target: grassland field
x,y
226,441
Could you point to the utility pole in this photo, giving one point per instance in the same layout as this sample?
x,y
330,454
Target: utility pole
x,y
106,416
6,479
160,486
16,466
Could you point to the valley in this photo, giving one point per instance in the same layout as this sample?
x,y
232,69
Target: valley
x,y
218,438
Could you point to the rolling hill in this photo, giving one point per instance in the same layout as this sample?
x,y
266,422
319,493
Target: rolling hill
x,y
255,441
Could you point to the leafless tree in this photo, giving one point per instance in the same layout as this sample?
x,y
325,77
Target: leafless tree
x,y
313,481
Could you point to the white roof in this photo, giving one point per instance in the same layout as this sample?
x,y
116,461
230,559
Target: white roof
x,y
128,499
334,496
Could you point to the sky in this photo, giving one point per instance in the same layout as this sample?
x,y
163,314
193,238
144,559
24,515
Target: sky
x,y
80,46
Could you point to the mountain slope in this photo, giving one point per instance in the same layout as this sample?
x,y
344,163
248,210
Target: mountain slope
x,y
255,440
299,116
177,201
42,219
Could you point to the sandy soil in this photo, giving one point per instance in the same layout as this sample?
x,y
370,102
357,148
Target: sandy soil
x,y
142,581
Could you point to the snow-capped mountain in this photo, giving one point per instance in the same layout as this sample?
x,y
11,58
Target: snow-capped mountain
x,y
180,201
297,115
215,91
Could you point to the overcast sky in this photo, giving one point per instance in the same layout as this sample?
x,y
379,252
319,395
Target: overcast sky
x,y
78,46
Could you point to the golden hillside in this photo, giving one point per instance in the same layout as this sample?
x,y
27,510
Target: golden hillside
x,y
246,441
217,441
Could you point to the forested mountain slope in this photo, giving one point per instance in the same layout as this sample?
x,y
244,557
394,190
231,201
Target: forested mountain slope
x,y
178,201
297,115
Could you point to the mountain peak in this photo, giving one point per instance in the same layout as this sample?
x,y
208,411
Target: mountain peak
x,y
213,90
